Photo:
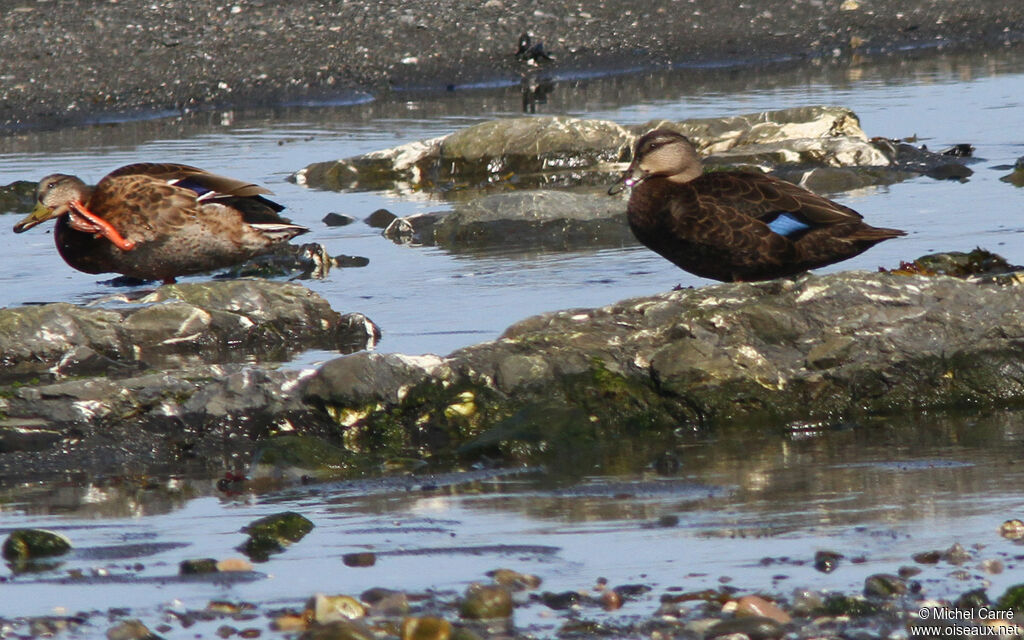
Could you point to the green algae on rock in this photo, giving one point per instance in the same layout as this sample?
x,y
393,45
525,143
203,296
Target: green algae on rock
x,y
28,544
272,534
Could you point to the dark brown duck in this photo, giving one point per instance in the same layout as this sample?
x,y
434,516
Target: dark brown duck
x,y
158,221
731,225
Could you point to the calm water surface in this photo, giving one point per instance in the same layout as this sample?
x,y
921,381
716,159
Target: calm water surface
x,y
749,510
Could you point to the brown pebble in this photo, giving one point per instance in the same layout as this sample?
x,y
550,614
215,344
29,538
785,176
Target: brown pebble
x,y
610,600
234,564
359,559
758,606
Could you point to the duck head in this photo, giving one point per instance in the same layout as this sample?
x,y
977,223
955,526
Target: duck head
x,y
662,153
55,196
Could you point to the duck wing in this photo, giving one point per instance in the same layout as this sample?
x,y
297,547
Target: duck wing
x,y
784,206
207,186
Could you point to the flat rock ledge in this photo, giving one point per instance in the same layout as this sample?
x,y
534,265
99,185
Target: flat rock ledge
x,y
814,350
809,143
542,181
790,353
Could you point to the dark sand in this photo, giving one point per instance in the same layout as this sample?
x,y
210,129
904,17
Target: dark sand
x,y
71,61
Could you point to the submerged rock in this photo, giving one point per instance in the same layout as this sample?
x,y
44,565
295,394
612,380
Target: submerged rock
x,y
530,220
23,545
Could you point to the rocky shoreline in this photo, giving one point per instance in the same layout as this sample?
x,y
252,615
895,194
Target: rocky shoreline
x,y
176,57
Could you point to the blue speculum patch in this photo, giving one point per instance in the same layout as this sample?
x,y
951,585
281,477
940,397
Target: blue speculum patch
x,y
788,225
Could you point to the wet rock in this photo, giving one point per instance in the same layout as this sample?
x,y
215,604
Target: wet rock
x,y
1012,529
757,606
1012,599
198,566
514,580
273,533
928,557
753,627
337,220
426,628
130,630
771,353
208,321
826,561
359,559
973,600
23,545
476,155
380,219
27,434
339,630
527,220
884,585
485,602
561,600
1016,176
956,554
330,608
304,452
18,196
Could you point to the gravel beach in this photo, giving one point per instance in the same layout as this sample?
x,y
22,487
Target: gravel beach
x,y
77,61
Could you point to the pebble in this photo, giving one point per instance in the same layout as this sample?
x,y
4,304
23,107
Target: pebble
x,y
484,602
758,606
427,628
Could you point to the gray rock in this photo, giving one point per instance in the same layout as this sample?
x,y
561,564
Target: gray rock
x,y
17,197
478,154
532,220
766,354
176,324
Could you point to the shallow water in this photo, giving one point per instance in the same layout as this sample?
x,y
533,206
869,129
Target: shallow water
x,y
752,509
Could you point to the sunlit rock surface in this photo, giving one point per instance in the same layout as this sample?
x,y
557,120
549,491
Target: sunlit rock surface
x,y
207,322
541,182
809,350
764,355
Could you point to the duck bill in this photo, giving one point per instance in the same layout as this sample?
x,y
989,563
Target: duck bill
x,y
630,178
39,215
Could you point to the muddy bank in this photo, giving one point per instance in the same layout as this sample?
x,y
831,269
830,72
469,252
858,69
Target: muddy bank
x,y
173,57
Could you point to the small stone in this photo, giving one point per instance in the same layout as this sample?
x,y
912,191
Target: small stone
x,y
927,557
610,601
197,566
1012,529
827,561
884,585
359,559
908,572
991,566
350,262
288,622
234,564
514,580
427,628
483,602
380,219
560,601
339,630
758,606
130,630
331,608
956,554
337,220
26,544
754,627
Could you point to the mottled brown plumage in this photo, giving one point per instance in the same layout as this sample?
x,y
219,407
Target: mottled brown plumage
x,y
731,225
158,221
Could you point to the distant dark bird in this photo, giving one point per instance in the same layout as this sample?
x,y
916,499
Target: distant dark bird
x,y
732,225
158,221
531,53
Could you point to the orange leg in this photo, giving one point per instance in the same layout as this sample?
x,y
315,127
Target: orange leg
x,y
103,228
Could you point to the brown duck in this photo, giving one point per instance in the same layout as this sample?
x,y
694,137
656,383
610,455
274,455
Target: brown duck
x,y
158,221
731,225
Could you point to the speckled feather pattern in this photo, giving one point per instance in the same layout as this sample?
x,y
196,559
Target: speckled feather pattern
x,y
175,233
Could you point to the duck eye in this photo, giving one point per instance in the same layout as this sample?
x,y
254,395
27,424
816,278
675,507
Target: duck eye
x,y
51,185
